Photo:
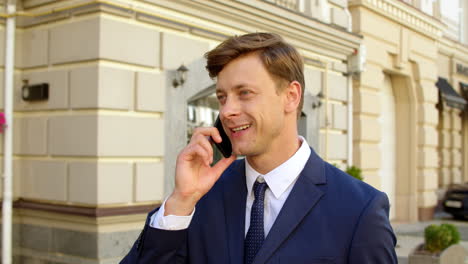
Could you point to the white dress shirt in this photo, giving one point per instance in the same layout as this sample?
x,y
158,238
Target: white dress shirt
x,y
280,183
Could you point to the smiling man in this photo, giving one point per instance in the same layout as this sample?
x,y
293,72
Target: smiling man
x,y
282,203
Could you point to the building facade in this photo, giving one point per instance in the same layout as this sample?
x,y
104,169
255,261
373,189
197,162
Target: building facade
x,y
94,157
409,111
386,90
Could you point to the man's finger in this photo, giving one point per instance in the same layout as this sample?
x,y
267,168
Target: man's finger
x,y
196,151
206,144
208,132
222,165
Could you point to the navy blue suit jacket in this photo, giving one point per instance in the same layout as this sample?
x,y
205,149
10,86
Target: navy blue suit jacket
x,y
329,217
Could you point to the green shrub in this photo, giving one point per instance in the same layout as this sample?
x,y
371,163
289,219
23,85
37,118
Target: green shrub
x,y
355,172
437,238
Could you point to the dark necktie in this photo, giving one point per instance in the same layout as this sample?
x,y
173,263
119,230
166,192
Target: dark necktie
x,y
256,234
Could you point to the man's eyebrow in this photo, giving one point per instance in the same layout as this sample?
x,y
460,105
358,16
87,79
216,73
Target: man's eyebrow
x,y
237,87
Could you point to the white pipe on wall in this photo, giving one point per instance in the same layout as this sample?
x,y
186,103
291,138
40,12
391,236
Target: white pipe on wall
x,y
8,134
350,117
350,120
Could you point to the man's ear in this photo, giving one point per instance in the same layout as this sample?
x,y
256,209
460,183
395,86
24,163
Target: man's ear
x,y
293,96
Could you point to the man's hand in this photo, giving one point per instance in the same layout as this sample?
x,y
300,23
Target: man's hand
x,y
194,175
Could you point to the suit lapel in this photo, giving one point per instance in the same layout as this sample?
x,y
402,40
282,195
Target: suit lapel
x,y
303,197
235,194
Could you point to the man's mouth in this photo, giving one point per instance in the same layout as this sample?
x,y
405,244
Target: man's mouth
x,y
240,128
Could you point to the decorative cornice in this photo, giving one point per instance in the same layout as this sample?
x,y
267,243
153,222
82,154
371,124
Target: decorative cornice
x,y
84,211
308,34
453,49
404,14
215,19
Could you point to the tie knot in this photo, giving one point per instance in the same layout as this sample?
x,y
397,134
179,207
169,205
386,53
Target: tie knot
x,y
259,189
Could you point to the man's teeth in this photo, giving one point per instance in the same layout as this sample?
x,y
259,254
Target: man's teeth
x,y
240,128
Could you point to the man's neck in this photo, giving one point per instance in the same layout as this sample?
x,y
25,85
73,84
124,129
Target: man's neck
x,y
276,156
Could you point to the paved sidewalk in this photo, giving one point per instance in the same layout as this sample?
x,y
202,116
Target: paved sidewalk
x,y
411,235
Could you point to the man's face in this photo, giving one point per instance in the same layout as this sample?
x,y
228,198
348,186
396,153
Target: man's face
x,y
251,110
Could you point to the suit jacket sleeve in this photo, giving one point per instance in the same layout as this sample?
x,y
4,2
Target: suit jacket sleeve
x,y
374,240
157,246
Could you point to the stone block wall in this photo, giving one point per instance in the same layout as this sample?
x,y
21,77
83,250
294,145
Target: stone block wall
x,y
103,119
334,119
405,52
450,147
97,142
328,79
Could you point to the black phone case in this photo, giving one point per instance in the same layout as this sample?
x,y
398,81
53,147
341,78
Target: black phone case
x,y
225,146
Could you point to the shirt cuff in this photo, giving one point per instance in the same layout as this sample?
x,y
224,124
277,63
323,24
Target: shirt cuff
x,y
170,222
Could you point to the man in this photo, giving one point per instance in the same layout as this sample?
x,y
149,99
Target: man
x,y
282,203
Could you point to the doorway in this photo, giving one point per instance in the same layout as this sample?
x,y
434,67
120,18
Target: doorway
x,y
387,144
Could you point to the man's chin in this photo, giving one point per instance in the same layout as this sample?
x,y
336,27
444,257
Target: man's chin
x,y
242,151
239,151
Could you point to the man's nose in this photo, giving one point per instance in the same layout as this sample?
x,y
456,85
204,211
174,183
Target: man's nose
x,y
230,108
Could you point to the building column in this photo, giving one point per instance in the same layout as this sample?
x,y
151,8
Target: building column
x,y
456,146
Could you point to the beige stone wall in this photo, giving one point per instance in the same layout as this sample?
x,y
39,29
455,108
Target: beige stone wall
x,y
407,54
430,143
450,147
329,79
453,150
98,139
334,119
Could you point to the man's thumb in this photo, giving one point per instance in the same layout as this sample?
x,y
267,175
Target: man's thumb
x,y
222,165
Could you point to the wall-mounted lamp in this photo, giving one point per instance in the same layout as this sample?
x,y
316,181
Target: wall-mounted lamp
x,y
181,76
317,100
34,92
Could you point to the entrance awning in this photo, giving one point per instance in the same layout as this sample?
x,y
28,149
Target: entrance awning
x,y
450,96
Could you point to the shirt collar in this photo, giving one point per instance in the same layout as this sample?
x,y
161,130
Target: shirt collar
x,y
284,175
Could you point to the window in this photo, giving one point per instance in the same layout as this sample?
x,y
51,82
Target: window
x,y
450,14
450,9
426,6
202,112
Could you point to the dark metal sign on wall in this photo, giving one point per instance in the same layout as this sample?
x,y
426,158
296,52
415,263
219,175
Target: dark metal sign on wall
x,y
462,69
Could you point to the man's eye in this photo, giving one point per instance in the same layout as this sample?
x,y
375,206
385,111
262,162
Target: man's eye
x,y
245,92
221,97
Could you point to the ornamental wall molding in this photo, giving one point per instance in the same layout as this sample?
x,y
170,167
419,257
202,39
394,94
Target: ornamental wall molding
x,y
454,49
214,19
405,15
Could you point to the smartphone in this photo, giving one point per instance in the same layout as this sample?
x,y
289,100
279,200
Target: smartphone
x,y
225,146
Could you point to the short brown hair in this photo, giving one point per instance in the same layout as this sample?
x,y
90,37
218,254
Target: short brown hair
x,y
280,59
